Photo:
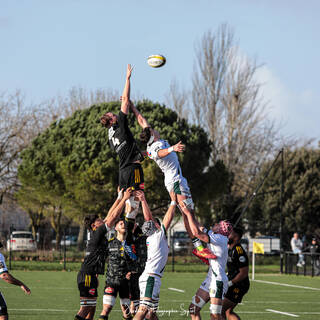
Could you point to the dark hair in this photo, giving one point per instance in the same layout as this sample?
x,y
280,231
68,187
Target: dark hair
x,y
105,120
238,231
120,219
89,220
145,135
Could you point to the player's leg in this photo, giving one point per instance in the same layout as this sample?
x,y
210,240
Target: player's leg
x,y
149,301
227,310
124,294
87,285
132,176
217,291
109,299
3,308
198,301
134,293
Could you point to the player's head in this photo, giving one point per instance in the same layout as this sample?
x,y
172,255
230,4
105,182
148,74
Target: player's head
x,y
296,235
236,234
120,226
149,135
92,222
223,227
149,228
108,119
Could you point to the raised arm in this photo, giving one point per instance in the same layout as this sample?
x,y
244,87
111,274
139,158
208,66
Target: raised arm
x,y
112,216
145,207
125,100
141,119
115,204
171,210
179,147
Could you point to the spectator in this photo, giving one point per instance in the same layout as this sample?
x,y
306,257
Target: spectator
x,y
296,246
314,249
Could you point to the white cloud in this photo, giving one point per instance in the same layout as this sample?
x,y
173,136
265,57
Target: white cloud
x,y
298,110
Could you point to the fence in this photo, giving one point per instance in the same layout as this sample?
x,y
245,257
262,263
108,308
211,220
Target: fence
x,y
310,265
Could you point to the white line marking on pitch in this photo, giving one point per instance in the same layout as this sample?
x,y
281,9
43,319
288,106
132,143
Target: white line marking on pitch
x,y
286,285
285,313
174,289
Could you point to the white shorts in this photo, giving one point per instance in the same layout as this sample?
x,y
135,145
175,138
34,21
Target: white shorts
x,y
180,186
149,286
216,288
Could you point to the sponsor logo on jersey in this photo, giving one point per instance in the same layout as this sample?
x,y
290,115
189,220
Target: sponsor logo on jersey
x,y
92,291
242,259
109,290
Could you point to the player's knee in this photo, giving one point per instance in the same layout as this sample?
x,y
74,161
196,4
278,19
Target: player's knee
x,y
108,301
193,310
215,309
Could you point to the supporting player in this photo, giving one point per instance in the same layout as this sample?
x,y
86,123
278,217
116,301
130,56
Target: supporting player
x,y
166,158
124,144
215,285
7,277
94,261
157,256
238,270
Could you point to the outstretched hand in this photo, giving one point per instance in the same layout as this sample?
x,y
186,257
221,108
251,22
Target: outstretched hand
x,y
25,289
129,71
173,196
127,194
179,147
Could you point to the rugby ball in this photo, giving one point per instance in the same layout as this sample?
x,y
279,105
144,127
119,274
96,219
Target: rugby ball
x,y
156,61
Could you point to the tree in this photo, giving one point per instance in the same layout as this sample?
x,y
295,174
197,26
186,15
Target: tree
x,y
72,169
228,103
301,209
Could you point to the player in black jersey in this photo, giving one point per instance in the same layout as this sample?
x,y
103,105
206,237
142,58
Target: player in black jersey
x,y
238,269
94,261
121,264
123,143
138,242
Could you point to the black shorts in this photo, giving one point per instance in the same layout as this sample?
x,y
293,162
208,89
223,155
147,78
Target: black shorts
x,y
131,176
3,306
237,291
122,287
134,286
87,284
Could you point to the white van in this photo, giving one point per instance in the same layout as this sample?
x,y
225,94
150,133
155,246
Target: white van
x,y
21,241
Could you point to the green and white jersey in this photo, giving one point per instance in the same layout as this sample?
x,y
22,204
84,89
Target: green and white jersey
x,y
3,267
169,165
157,252
219,246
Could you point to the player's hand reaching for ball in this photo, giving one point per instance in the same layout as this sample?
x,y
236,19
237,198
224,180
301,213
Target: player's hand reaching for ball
x,y
173,196
129,71
179,147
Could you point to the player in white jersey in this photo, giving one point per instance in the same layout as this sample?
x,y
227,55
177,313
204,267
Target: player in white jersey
x,y
166,158
7,277
215,285
157,256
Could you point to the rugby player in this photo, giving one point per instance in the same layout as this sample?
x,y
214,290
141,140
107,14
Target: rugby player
x,y
7,277
157,256
166,158
215,285
123,143
238,270
121,264
94,261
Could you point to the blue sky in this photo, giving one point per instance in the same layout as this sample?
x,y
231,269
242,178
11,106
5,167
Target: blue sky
x,y
47,47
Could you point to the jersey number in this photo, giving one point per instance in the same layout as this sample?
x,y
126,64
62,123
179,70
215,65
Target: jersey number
x,y
115,141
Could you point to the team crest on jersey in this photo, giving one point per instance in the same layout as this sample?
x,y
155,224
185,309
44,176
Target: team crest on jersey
x,y
109,290
92,291
242,259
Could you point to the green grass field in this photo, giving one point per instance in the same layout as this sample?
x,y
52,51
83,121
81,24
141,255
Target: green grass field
x,y
55,296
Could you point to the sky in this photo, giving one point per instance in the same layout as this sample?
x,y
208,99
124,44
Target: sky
x,y
48,47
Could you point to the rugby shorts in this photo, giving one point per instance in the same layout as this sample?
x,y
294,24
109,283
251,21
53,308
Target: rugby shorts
x,y
149,286
87,284
236,292
216,288
180,186
113,288
131,176
3,306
